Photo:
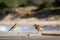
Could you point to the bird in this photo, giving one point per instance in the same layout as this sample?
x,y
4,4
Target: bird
x,y
14,27
38,27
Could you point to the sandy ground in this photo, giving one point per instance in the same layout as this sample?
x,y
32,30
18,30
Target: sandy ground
x,y
30,21
15,36
29,38
29,33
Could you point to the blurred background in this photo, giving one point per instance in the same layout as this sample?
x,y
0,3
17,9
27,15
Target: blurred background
x,y
25,11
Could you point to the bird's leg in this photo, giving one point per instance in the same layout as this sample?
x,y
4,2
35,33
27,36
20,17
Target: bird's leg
x,y
12,30
18,32
38,31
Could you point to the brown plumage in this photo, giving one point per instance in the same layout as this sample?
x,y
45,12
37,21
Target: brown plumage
x,y
37,27
14,27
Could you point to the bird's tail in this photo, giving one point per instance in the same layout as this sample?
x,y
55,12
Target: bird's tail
x,y
9,29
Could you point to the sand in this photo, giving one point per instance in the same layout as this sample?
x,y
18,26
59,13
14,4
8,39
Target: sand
x,y
29,38
30,21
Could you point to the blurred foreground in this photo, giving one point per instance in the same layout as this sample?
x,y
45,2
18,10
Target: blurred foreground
x,y
29,38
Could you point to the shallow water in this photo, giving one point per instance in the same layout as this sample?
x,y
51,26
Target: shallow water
x,y
29,28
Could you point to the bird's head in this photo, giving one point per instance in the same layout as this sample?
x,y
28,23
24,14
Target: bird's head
x,y
16,24
36,25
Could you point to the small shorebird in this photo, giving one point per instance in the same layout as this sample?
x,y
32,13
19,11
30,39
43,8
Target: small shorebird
x,y
38,27
14,27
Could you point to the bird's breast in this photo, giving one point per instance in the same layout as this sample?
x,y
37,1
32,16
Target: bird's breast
x,y
15,28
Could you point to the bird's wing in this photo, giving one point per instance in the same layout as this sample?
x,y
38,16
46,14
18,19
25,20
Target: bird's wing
x,y
11,28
